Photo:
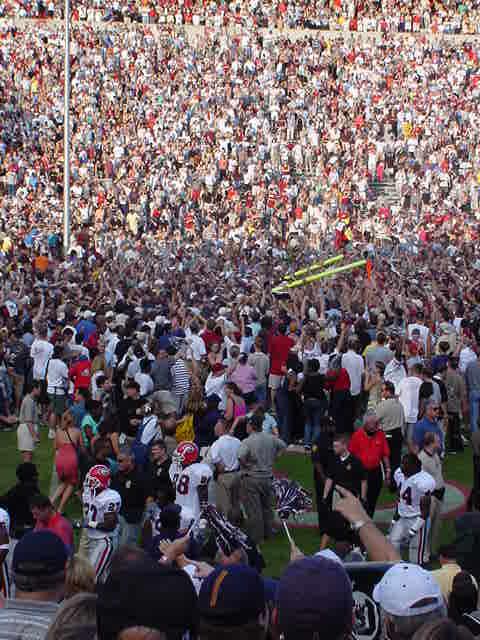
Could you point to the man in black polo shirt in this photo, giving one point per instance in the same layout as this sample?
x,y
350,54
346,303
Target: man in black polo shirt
x,y
128,410
132,485
347,471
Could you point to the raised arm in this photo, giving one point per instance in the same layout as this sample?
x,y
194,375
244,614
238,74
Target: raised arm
x,y
379,549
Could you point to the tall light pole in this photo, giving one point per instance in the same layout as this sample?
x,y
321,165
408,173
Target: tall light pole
x,y
66,135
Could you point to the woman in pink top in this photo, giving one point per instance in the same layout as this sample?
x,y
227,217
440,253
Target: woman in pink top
x,y
236,407
245,377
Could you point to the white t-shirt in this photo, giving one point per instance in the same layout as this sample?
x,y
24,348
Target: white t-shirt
x,y
225,451
150,429
467,355
96,507
41,352
409,396
187,482
423,332
353,363
216,385
197,348
96,392
57,377
145,382
412,490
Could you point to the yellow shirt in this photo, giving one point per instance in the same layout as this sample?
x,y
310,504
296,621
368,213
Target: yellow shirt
x,y
445,576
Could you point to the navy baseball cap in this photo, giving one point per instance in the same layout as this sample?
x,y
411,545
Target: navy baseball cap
x,y
315,595
39,553
231,595
146,595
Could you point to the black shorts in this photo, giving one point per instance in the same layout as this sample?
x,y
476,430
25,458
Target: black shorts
x,y
43,398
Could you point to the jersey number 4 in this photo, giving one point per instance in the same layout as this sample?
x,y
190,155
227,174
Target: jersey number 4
x,y
183,485
407,496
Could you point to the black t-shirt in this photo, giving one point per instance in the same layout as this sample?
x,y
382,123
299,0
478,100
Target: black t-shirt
x,y
134,490
364,339
127,410
158,475
322,452
313,386
348,473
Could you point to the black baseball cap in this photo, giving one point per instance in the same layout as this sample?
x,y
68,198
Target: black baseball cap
x,y
147,595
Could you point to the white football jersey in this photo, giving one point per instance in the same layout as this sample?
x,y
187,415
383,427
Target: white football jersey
x,y
412,490
187,482
96,507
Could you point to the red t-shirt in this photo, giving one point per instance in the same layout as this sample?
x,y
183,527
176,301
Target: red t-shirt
x,y
81,374
370,450
210,337
60,526
279,349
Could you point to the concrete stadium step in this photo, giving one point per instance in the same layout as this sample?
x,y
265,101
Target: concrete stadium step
x,y
387,191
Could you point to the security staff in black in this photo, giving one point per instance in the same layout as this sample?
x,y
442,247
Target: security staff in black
x,y
322,458
133,487
347,471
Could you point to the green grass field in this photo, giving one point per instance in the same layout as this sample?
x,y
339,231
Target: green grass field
x,y
297,466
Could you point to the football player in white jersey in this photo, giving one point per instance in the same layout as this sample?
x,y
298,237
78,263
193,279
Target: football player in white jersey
x,y
101,506
4,547
190,478
412,527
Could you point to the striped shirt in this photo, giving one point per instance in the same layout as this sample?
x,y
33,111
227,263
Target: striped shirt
x,y
180,378
26,619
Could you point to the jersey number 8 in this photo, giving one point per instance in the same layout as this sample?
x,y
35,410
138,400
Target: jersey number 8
x,y
407,496
183,485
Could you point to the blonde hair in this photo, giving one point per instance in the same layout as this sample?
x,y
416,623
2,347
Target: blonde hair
x,y
79,576
195,397
81,610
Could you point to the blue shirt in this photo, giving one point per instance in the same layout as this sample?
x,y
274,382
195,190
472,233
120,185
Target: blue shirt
x,y
87,328
78,411
424,426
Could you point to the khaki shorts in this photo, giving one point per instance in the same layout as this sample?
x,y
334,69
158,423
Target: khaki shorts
x,y
24,438
274,381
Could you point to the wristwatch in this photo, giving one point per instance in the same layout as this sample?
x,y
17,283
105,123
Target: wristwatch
x,y
356,526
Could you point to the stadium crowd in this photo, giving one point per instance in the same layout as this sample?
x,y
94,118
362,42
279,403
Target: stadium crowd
x,y
170,377
276,134
384,16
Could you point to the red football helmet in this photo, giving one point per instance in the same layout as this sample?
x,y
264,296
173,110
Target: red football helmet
x,y
98,478
186,453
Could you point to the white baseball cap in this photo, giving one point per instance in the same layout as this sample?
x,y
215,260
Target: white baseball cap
x,y
408,590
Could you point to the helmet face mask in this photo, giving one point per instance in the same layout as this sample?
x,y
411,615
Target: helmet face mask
x,y
185,454
98,478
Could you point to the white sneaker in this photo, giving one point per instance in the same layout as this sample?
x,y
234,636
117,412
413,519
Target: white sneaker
x,y
51,434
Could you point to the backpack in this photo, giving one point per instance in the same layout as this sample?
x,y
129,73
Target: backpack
x,y
334,366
